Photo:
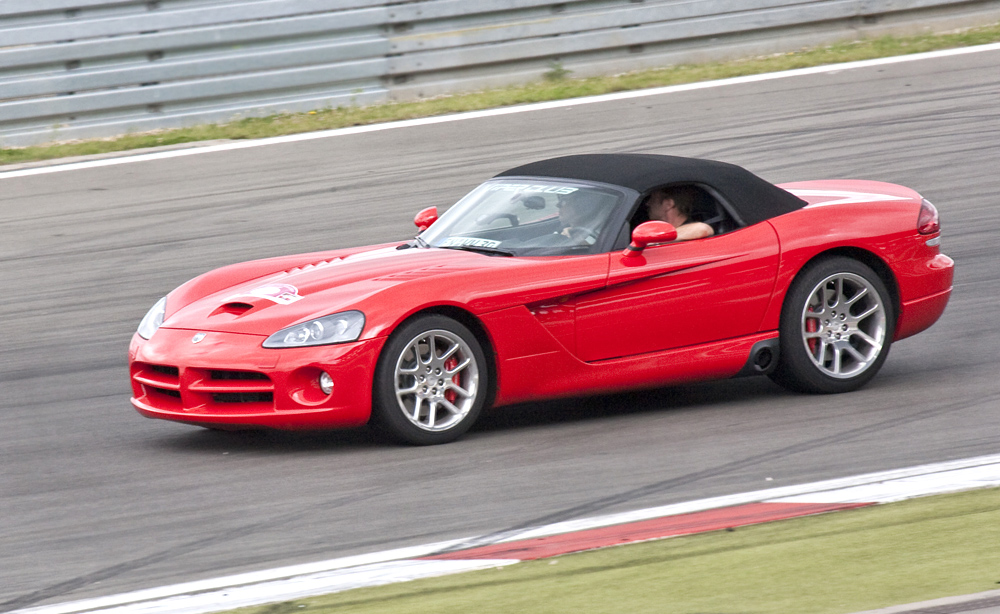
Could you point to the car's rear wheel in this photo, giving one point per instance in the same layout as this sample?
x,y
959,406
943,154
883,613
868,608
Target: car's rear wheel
x,y
837,324
430,383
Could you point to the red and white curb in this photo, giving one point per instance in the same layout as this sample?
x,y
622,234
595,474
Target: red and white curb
x,y
497,550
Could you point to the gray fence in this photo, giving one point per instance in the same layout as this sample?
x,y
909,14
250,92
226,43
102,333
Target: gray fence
x,y
73,69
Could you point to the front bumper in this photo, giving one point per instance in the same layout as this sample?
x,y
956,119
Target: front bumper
x,y
228,380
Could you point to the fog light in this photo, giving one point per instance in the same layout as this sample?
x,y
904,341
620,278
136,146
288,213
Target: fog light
x,y
325,382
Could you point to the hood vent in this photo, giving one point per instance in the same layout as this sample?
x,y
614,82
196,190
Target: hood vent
x,y
314,265
236,309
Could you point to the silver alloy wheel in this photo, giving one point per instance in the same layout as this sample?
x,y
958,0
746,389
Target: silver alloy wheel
x,y
843,325
436,380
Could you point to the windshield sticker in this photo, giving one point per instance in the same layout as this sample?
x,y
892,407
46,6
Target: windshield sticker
x,y
469,242
530,188
282,294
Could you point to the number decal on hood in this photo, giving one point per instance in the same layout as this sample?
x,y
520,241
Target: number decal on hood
x,y
282,294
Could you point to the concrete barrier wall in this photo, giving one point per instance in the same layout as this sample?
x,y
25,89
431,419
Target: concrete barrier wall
x,y
72,69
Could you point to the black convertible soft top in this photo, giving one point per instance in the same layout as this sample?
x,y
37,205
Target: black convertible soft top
x,y
753,199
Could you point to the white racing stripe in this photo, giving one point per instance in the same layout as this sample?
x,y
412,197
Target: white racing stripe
x,y
840,197
556,104
375,569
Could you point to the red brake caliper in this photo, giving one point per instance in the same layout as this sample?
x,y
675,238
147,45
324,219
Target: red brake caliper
x,y
450,364
812,325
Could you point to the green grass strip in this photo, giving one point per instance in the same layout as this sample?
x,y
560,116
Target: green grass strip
x,y
557,86
836,563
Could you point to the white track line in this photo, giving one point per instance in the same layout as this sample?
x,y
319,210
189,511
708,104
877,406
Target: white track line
x,y
956,480
817,492
305,586
556,104
256,577
297,581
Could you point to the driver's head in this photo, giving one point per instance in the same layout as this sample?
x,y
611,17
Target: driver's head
x,y
577,209
675,202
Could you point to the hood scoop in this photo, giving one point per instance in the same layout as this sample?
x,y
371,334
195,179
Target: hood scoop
x,y
234,309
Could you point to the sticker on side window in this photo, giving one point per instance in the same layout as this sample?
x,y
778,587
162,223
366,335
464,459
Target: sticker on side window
x,y
469,242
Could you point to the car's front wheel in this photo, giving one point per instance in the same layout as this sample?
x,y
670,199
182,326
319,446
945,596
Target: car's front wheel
x,y
431,382
836,327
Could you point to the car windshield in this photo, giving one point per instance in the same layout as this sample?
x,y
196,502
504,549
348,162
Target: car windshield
x,y
531,217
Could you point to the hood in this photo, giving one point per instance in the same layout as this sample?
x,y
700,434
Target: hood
x,y
268,303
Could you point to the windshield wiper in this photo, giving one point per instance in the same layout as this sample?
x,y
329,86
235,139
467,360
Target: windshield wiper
x,y
489,251
416,242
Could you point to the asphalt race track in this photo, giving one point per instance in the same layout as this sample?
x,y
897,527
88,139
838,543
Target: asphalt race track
x,y
95,499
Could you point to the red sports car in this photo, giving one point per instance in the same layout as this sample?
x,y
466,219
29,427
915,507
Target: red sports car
x,y
551,280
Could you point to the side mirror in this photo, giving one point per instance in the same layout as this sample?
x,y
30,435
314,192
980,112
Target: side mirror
x,y
425,218
648,233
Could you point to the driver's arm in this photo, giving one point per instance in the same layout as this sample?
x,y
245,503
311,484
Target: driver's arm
x,y
694,230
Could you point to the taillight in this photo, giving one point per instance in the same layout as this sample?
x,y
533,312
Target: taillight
x,y
927,222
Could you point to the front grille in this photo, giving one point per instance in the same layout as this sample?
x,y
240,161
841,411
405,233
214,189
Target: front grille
x,y
194,391
170,393
161,376
159,385
237,375
243,397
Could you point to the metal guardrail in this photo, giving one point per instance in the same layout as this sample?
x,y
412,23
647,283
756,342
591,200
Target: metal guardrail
x,y
74,69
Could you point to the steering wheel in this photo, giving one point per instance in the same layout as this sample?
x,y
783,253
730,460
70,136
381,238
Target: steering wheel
x,y
580,234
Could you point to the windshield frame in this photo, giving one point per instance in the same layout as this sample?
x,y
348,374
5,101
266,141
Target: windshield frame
x,y
616,219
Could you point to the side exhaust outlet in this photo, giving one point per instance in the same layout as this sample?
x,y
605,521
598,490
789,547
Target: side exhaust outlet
x,y
762,360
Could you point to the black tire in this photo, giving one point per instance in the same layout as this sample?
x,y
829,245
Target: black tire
x,y
422,399
825,348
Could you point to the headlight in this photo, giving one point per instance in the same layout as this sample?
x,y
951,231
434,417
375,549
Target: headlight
x,y
153,318
338,328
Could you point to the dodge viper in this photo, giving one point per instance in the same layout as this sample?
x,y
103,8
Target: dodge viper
x,y
550,280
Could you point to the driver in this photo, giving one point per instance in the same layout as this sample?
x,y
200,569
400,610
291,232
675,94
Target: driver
x,y
674,205
578,216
